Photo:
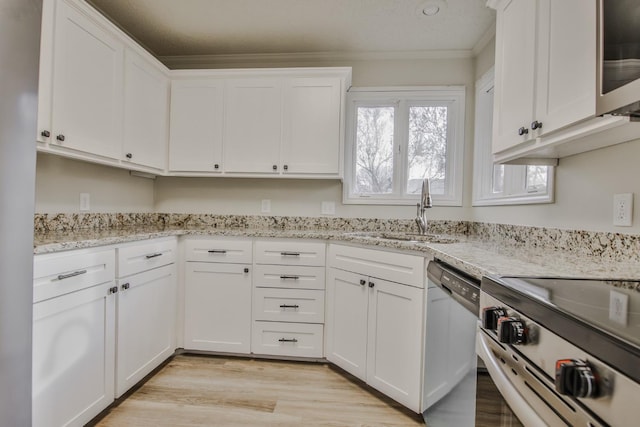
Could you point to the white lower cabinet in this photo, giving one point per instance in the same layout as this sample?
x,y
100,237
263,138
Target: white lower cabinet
x,y
73,337
287,339
288,298
218,307
146,324
375,329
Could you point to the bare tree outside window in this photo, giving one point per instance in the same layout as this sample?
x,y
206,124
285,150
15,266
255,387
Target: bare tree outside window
x,y
374,150
427,150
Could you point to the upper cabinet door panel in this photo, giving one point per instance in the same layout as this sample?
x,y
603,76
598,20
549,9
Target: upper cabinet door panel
x,y
566,71
515,72
196,125
311,143
253,125
87,85
145,112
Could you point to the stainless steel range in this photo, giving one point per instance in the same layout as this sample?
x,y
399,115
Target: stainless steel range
x,y
563,351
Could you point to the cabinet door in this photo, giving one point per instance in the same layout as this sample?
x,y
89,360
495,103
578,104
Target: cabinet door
x,y
87,85
515,72
253,125
218,307
196,126
146,324
311,143
566,68
146,104
73,357
395,341
346,322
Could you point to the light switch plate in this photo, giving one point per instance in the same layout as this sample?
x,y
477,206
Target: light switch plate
x,y
85,202
266,206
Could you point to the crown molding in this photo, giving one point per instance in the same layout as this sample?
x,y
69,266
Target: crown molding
x,y
484,40
199,61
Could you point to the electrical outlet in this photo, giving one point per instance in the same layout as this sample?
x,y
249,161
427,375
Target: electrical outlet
x,y
618,305
85,202
622,209
266,206
328,208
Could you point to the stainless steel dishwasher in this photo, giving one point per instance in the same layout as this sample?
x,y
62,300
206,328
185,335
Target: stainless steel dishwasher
x,y
453,301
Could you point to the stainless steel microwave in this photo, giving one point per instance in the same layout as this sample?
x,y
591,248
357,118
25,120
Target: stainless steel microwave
x,y
618,74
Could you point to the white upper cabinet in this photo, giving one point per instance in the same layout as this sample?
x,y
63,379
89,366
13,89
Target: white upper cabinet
x,y
515,65
87,81
196,125
102,98
545,86
281,122
253,125
146,108
311,126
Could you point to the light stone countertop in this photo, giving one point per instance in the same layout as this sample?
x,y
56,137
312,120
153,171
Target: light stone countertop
x,y
472,255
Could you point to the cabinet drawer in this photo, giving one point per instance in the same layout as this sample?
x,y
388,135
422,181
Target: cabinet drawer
x,y
290,252
138,257
287,339
289,276
218,250
61,273
288,305
396,267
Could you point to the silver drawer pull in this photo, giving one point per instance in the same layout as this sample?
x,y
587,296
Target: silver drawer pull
x,y
153,255
290,253
288,340
296,306
217,251
74,274
289,277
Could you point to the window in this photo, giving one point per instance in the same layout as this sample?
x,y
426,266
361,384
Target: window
x,y
502,184
398,137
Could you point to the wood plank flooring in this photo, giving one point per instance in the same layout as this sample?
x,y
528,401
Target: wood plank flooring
x,y
219,391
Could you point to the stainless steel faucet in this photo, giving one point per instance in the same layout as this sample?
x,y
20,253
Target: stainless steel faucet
x,y
425,203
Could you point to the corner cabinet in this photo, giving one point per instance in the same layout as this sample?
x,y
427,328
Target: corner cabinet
x,y
102,98
258,123
545,91
375,324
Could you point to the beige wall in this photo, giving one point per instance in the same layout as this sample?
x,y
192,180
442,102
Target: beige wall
x,y
60,181
585,183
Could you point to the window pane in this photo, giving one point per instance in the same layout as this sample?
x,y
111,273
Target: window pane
x,y
498,179
374,150
536,178
427,151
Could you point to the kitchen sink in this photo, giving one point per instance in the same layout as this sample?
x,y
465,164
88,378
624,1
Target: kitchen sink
x,y
407,237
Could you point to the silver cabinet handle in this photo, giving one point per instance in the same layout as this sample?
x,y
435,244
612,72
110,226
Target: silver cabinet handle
x,y
153,255
289,277
288,340
296,306
217,251
290,253
113,290
74,274
125,286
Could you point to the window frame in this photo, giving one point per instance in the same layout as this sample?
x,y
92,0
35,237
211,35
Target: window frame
x,y
402,98
515,190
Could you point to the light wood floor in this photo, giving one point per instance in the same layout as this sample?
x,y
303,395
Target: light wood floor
x,y
219,391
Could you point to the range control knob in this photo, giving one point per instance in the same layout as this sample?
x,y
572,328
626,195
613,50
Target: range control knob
x,y
512,331
490,316
576,378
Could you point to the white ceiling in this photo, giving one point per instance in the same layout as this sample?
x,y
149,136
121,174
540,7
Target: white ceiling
x,y
240,27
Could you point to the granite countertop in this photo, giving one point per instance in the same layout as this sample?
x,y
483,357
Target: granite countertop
x,y
475,255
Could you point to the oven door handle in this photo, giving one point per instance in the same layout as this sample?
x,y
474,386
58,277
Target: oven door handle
x,y
518,404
